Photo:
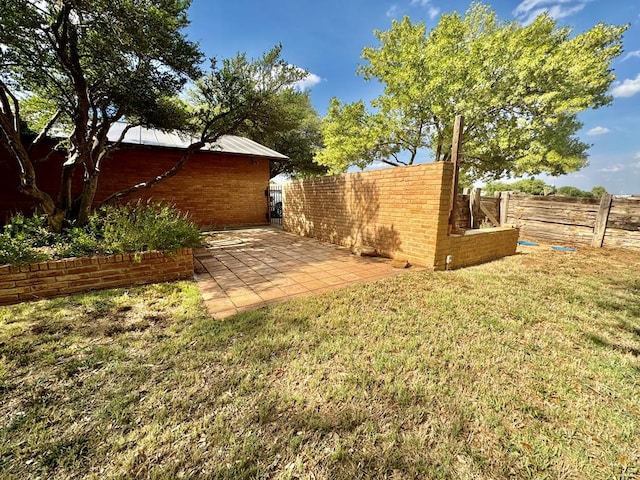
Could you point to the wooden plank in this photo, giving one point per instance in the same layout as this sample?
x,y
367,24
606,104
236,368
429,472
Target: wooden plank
x,y
553,233
568,221
600,227
504,207
474,207
486,211
458,129
552,199
463,217
563,218
625,215
492,204
621,239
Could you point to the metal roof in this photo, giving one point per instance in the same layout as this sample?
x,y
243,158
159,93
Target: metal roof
x,y
157,138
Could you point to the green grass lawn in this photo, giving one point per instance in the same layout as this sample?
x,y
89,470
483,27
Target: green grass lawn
x,y
528,367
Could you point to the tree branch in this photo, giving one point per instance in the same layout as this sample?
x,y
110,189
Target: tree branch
x,y
44,132
115,145
194,147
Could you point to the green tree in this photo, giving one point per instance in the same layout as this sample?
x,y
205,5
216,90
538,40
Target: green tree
x,y
519,88
530,186
570,191
235,97
598,191
293,129
95,62
91,63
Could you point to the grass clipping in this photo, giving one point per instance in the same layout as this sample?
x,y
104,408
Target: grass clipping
x,y
527,367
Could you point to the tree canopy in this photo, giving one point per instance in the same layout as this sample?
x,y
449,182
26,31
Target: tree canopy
x,y
519,87
535,186
531,186
80,66
293,129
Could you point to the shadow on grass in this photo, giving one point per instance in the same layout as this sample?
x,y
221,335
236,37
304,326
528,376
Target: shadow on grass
x,y
307,387
623,301
603,342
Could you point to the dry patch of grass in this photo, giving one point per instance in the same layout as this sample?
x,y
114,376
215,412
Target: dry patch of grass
x,y
528,367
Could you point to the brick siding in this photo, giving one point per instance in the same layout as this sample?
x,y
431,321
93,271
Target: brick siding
x,y
393,210
55,278
477,246
401,212
216,189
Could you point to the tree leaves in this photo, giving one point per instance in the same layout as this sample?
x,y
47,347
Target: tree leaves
x,y
519,88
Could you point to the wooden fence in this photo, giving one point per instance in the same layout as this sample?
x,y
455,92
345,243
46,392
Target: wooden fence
x,y
606,222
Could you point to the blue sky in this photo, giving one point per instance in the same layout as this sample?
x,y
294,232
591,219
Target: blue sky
x,y
326,38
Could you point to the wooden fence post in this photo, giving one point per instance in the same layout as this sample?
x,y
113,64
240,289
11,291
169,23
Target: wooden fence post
x,y
456,145
504,207
474,207
600,226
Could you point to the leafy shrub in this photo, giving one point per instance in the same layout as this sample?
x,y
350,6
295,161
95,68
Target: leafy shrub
x,y
20,238
32,230
140,227
136,227
78,242
18,251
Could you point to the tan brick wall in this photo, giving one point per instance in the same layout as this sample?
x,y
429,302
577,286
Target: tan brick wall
x,y
402,212
477,246
55,278
395,210
217,189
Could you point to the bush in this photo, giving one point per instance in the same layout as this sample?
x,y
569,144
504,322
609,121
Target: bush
x,y
136,227
32,230
79,242
18,251
141,227
20,238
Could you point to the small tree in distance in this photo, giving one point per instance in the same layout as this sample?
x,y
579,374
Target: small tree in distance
x,y
533,186
530,186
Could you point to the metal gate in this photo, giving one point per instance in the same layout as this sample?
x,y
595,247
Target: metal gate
x,y
275,204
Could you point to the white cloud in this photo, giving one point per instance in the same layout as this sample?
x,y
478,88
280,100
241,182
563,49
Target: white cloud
x,y
528,10
432,11
635,53
626,88
612,168
598,131
310,81
637,156
393,11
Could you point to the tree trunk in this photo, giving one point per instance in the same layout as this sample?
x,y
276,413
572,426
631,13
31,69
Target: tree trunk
x,y
86,199
28,183
65,197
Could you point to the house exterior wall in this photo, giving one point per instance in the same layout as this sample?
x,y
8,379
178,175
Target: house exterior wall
x,y
401,212
216,189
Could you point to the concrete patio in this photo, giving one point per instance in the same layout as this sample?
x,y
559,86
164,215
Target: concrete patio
x,y
241,270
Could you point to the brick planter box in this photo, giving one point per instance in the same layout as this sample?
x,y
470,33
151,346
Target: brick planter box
x,y
54,278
